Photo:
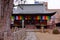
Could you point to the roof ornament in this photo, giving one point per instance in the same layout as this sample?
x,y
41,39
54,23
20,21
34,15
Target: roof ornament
x,y
21,7
20,2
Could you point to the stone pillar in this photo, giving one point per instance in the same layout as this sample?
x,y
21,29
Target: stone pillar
x,y
22,23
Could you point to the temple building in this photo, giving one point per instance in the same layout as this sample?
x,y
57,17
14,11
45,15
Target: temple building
x,y
31,16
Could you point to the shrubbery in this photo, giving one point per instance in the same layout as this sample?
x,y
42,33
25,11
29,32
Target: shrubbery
x,y
55,31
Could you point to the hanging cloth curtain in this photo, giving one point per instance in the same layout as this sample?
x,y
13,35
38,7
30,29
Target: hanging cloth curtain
x,y
38,18
12,18
19,17
45,17
49,17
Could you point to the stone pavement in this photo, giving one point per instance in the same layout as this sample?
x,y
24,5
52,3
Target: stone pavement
x,y
31,36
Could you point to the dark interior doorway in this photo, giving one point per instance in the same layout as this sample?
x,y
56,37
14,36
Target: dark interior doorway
x,y
38,27
58,24
45,27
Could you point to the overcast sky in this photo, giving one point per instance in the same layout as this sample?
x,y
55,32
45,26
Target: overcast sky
x,y
52,4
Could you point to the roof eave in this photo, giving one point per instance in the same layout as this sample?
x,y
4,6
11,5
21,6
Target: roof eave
x,y
51,13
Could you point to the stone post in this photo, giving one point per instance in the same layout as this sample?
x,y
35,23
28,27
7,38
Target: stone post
x,y
42,28
22,23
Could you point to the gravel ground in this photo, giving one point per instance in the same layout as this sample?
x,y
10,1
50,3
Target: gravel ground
x,y
47,36
41,36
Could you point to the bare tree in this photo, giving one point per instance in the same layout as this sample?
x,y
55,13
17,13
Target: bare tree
x,y
6,11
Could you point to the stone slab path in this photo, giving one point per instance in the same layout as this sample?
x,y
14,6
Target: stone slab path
x,y
31,36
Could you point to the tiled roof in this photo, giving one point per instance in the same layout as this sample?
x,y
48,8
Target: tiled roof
x,y
31,9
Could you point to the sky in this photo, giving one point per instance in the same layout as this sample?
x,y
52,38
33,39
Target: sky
x,y
52,4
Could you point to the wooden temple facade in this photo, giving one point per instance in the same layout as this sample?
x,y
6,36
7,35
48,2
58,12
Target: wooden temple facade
x,y
30,16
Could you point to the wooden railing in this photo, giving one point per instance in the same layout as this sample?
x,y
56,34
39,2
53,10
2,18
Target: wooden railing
x,y
17,35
